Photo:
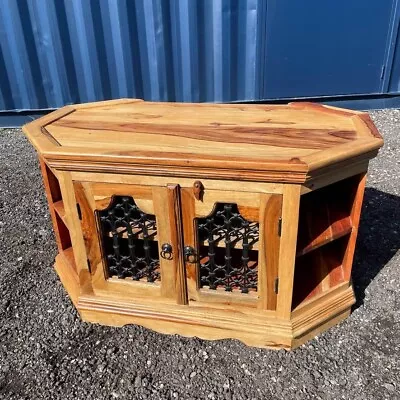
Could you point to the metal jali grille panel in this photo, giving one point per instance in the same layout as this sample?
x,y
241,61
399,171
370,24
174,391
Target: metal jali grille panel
x,y
128,237
227,255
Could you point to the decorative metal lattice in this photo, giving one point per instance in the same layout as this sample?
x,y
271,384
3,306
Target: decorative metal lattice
x,y
128,241
226,258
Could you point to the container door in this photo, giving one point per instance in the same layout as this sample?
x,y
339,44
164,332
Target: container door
x,y
327,48
132,240
231,248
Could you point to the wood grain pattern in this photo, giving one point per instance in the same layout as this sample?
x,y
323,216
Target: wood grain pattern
x,y
71,219
247,202
206,323
295,138
322,225
287,251
149,180
366,119
167,209
329,176
270,213
213,324
306,306
275,143
181,166
88,228
330,304
355,218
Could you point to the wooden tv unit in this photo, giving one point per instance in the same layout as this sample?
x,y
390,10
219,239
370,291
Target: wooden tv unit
x,y
208,220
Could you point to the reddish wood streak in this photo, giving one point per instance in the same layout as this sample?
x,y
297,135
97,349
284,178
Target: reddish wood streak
x,y
273,136
321,108
368,121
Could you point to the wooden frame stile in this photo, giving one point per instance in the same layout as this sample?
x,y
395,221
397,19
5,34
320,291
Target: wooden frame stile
x,y
287,250
173,281
270,237
355,215
78,244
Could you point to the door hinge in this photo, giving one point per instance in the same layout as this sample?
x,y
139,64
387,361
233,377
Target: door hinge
x,y
280,226
276,285
89,267
78,208
383,71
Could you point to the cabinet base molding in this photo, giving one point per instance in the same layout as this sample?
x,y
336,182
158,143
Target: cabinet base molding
x,y
253,327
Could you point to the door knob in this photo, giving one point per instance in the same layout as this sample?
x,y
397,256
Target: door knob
x,y
189,254
166,251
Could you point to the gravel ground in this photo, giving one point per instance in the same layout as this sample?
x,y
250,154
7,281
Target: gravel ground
x,y
46,352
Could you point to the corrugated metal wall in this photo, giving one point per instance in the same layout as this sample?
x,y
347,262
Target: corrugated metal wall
x,y
58,52
55,52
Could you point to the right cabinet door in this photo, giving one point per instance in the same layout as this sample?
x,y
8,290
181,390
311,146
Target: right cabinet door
x,y
231,248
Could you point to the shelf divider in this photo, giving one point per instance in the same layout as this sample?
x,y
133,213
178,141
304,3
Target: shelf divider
x,y
339,228
60,210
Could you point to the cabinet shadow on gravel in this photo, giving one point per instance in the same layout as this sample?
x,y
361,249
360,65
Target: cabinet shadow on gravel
x,y
378,239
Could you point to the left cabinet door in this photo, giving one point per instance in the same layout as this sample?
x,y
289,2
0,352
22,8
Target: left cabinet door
x,y
132,238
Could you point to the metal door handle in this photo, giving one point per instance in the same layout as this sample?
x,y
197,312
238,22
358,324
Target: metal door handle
x,y
189,254
166,251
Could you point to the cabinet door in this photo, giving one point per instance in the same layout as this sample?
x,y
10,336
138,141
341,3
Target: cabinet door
x,y
232,247
131,234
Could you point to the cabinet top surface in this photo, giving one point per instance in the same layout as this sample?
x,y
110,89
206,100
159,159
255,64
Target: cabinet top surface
x,y
284,142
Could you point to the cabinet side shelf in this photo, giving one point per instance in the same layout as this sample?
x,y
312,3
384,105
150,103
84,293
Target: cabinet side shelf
x,y
60,210
335,231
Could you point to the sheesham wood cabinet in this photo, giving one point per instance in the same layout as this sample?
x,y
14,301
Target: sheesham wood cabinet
x,y
215,221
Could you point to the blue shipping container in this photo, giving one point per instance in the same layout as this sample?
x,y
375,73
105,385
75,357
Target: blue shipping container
x,y
60,52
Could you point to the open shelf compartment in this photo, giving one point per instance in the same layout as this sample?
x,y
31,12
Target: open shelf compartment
x,y
319,271
60,210
57,212
325,227
325,215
